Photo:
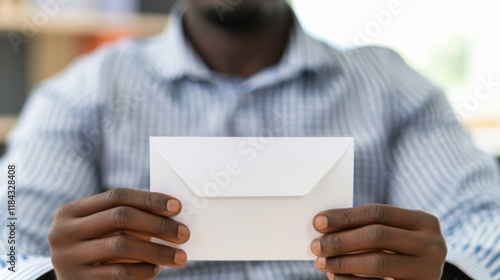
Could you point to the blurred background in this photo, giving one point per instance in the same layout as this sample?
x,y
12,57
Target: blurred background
x,y
454,43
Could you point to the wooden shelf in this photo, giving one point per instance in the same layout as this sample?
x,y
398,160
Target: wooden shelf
x,y
55,44
6,124
78,23
58,42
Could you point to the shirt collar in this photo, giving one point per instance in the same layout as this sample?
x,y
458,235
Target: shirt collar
x,y
175,57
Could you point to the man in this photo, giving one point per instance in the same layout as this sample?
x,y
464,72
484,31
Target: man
x,y
220,70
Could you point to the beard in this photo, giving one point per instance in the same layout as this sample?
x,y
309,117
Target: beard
x,y
244,17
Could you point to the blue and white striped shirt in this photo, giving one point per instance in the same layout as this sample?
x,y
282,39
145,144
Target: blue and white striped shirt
x,y
87,130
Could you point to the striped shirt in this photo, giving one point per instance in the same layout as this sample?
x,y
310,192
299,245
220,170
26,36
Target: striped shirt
x,y
87,131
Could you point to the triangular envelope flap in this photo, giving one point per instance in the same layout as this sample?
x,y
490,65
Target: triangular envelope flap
x,y
250,167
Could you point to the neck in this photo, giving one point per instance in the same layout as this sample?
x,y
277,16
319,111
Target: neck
x,y
237,53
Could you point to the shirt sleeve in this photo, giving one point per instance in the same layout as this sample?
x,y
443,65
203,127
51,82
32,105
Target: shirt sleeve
x,y
55,163
435,167
27,267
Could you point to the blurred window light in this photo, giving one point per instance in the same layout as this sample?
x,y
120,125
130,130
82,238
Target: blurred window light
x,y
454,43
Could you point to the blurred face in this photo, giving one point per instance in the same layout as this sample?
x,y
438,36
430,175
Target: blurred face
x,y
236,14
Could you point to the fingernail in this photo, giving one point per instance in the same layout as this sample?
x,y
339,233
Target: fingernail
x,y
321,263
316,247
182,233
180,257
330,276
158,269
173,205
321,222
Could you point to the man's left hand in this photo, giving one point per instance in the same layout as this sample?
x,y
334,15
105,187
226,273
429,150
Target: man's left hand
x,y
379,241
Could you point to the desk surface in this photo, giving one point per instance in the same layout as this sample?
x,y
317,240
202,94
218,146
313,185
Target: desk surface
x,y
83,22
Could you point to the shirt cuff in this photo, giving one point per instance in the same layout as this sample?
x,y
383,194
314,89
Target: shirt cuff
x,y
29,269
467,265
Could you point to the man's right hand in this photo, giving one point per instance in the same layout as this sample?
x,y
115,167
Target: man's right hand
x,y
107,236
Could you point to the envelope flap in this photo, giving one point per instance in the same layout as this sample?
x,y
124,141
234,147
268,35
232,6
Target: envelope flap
x,y
250,167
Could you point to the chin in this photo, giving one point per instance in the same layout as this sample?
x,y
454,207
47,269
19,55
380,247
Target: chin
x,y
237,14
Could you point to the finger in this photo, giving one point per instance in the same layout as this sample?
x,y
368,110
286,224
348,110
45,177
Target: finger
x,y
72,230
123,271
128,219
350,277
372,264
369,238
150,202
116,261
344,219
127,233
123,247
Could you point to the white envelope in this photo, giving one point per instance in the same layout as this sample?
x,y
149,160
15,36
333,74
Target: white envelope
x,y
252,198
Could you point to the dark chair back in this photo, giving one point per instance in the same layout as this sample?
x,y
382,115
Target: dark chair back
x,y
2,149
